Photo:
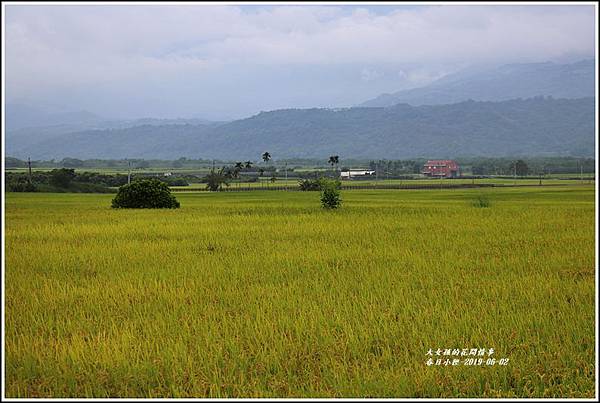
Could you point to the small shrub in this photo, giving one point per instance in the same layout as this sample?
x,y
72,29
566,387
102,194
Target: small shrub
x,y
481,201
330,194
145,193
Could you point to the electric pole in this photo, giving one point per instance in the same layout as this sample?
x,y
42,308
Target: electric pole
x,y
29,166
128,172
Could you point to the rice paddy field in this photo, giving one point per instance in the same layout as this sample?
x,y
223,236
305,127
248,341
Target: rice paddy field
x,y
265,294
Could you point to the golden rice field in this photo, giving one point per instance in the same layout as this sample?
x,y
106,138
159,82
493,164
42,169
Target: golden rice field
x,y
265,294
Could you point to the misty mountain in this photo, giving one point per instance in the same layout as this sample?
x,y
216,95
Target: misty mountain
x,y
575,80
130,142
536,126
18,116
23,138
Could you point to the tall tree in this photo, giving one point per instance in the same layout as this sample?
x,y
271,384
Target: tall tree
x,y
334,160
215,179
236,170
62,177
521,168
248,165
266,157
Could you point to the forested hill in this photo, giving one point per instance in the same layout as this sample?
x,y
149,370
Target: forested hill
x,y
536,126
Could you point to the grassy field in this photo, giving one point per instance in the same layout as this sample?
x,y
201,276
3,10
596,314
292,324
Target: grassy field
x,y
264,294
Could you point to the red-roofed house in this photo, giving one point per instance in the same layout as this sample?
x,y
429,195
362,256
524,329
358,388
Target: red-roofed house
x,y
441,168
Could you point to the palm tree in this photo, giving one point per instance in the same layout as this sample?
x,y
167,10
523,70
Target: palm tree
x,y
215,180
248,164
236,170
334,160
266,157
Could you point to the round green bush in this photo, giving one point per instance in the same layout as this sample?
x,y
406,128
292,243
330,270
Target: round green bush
x,y
146,193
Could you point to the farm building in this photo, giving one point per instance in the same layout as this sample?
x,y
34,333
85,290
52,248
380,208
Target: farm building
x,y
441,168
353,173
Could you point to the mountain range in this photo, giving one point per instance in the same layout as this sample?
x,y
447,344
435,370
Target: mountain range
x,y
535,126
525,109
573,80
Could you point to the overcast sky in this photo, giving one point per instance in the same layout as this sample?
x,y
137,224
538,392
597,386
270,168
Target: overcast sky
x,y
220,62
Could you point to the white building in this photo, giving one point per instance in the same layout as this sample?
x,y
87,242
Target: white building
x,y
353,173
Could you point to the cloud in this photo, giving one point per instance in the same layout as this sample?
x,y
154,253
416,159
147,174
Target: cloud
x,y
421,76
60,47
369,75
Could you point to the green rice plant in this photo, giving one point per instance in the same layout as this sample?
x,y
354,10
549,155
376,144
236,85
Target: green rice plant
x,y
481,201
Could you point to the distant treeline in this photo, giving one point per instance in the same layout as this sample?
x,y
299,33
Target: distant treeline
x,y
494,166
469,165
534,165
67,180
12,162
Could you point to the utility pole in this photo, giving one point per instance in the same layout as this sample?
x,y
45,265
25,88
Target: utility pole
x,y
581,171
286,176
29,166
128,172
515,173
